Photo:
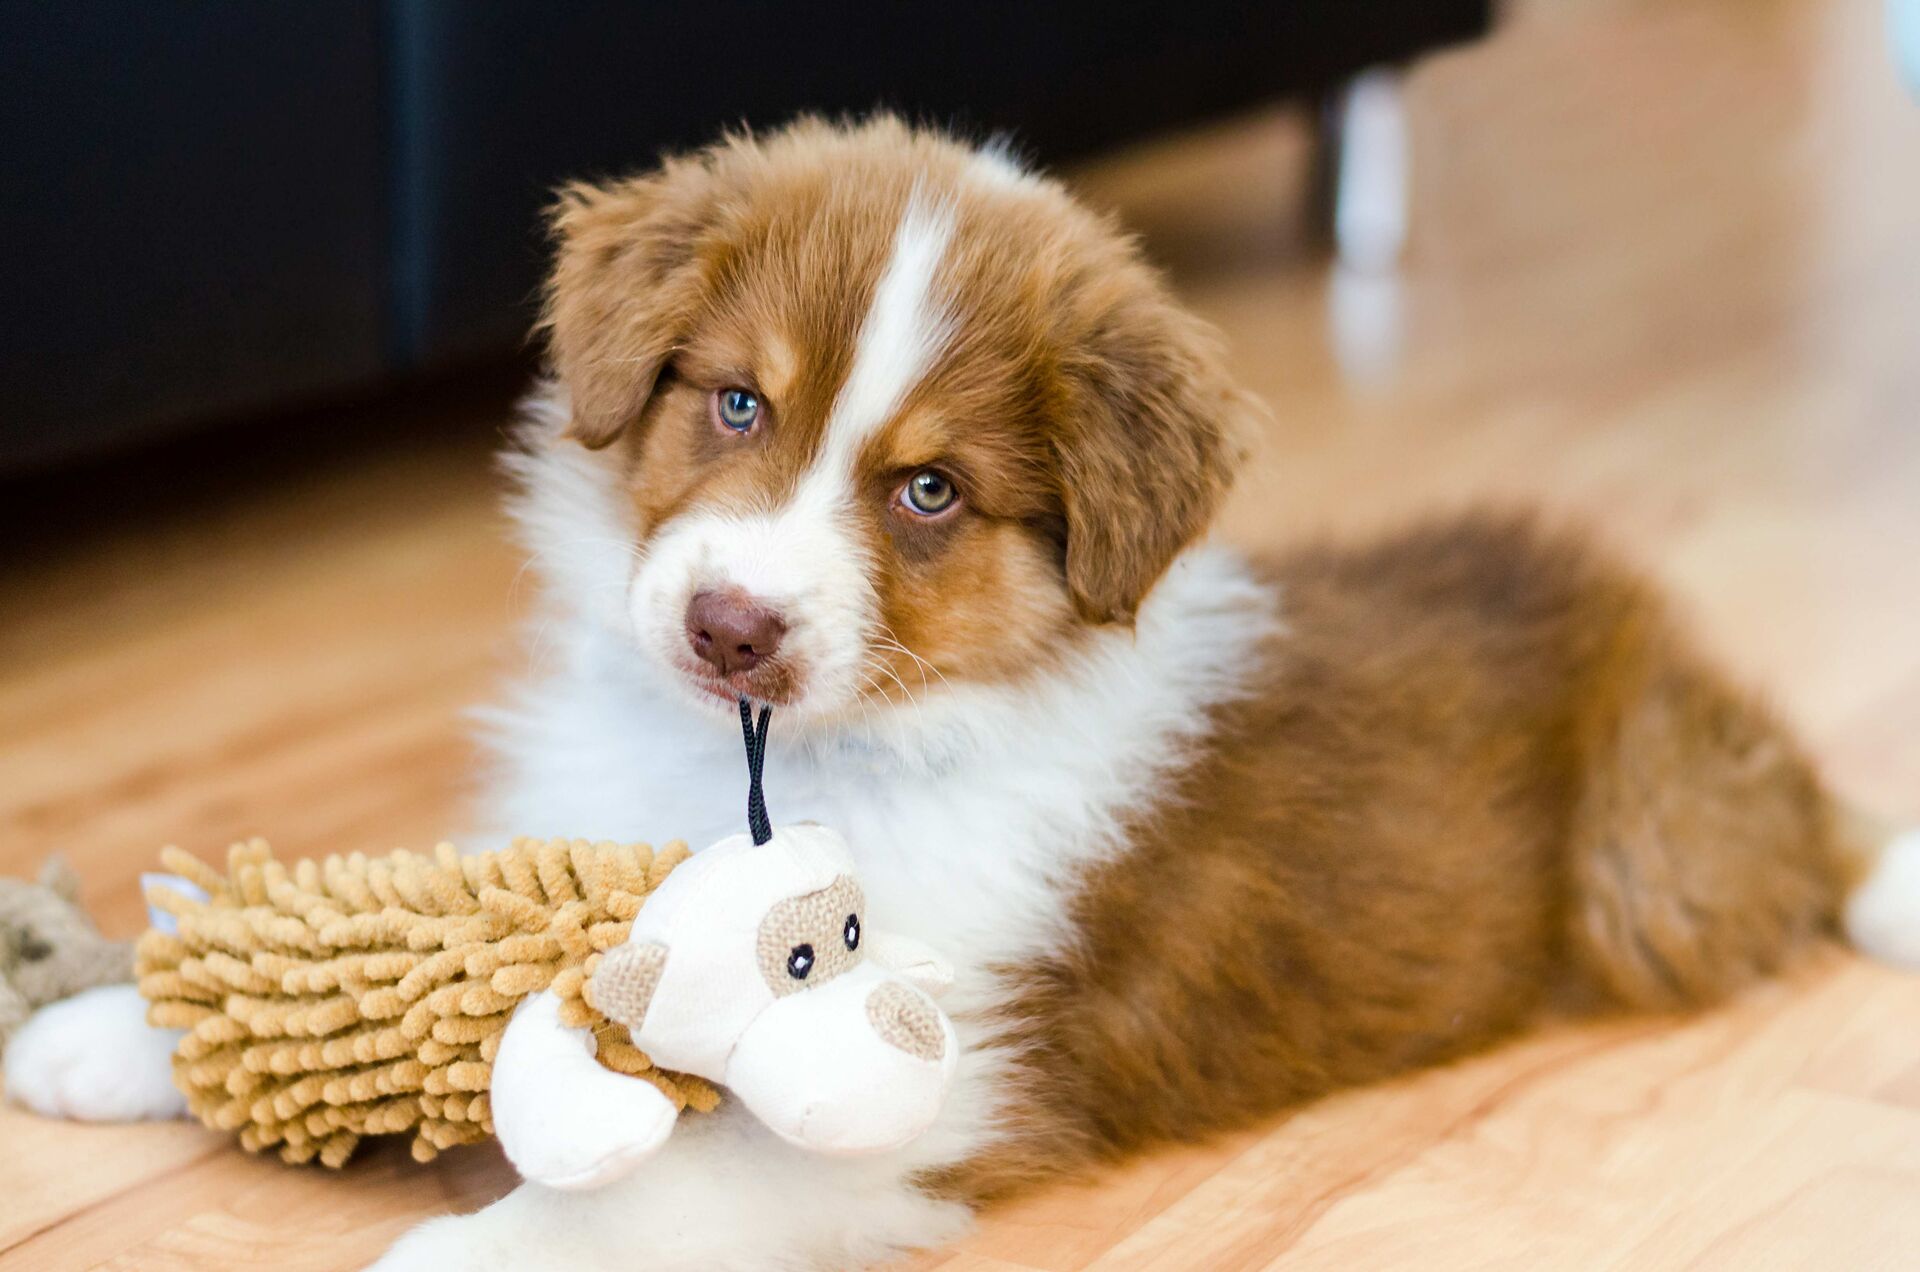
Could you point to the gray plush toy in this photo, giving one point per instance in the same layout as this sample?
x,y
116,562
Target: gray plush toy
x,y
49,948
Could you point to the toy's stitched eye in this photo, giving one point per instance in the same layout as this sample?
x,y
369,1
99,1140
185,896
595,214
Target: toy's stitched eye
x,y
928,493
32,948
800,961
737,409
850,932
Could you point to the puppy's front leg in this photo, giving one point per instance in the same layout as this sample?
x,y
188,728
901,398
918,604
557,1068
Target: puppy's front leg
x,y
724,1195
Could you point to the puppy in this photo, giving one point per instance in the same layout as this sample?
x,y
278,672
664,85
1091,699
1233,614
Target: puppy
x,y
889,433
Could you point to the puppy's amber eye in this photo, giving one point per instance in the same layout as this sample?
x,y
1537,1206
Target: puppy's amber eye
x,y
928,493
737,410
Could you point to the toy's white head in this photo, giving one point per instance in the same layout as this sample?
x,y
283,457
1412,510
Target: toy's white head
x,y
750,966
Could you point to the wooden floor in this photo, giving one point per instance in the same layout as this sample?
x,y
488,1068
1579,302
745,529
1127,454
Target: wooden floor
x,y
1665,275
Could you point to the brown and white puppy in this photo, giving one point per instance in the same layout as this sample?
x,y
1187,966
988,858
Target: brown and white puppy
x,y
890,433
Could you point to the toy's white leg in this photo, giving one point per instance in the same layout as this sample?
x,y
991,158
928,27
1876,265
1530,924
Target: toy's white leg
x,y
563,1119
1370,172
94,1058
724,1195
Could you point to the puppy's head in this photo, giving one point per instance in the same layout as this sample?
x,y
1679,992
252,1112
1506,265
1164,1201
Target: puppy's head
x,y
891,414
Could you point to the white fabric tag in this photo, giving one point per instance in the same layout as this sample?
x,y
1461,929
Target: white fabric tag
x,y
160,919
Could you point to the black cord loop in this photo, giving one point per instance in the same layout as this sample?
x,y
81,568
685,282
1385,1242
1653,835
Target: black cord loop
x,y
756,762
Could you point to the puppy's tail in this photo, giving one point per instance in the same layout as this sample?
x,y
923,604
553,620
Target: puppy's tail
x,y
1882,912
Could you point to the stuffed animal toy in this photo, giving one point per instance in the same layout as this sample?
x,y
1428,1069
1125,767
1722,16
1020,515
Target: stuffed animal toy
x,y
49,948
528,993
750,965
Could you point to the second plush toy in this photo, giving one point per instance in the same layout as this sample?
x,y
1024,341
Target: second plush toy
x,y
49,948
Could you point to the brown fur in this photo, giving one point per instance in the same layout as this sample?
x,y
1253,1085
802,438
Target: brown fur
x,y
1478,764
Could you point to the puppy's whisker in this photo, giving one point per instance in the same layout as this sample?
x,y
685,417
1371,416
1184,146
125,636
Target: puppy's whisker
x,y
890,641
919,713
923,674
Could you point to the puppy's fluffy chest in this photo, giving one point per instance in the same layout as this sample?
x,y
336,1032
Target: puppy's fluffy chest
x,y
972,814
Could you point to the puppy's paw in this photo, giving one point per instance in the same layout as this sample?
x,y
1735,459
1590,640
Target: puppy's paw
x,y
94,1058
452,1244
1883,916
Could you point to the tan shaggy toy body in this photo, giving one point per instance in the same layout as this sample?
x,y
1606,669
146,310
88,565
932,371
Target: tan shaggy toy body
x,y
331,1000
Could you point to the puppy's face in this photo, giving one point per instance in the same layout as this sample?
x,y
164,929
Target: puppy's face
x,y
891,415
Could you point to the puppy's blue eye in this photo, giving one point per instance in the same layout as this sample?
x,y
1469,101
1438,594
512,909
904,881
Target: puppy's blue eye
x,y
929,493
739,409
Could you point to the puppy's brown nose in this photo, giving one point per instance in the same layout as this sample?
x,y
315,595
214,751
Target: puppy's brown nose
x,y
731,630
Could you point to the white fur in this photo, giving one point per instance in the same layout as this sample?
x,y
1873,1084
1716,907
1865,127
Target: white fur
x,y
804,558
725,1195
997,166
1883,915
94,1058
969,811
905,327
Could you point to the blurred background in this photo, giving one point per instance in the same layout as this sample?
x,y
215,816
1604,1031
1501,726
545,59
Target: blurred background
x,y
265,281
229,207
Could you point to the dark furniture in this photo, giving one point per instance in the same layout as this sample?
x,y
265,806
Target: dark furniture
x,y
218,206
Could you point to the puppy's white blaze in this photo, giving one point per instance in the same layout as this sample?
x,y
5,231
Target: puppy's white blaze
x,y
903,331
805,557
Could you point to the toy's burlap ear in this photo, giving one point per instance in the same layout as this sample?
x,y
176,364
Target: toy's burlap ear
x,y
623,984
623,287
58,876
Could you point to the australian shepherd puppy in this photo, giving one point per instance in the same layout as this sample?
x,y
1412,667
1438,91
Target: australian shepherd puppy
x,y
890,433
893,435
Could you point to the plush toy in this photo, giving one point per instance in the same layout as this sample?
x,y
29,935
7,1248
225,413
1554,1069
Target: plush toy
x,y
751,966
49,948
528,993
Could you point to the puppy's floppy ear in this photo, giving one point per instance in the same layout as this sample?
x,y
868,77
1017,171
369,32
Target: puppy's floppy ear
x,y
1149,431
624,283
